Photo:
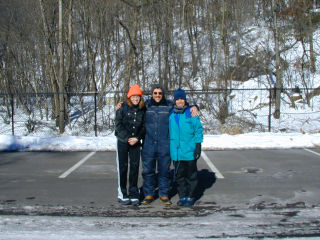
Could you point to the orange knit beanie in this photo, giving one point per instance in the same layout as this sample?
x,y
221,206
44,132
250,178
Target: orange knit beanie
x,y
134,90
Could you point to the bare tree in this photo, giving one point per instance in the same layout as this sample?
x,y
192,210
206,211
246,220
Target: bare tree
x,y
275,5
50,53
61,68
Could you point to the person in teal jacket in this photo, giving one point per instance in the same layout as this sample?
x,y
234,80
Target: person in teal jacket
x,y
186,136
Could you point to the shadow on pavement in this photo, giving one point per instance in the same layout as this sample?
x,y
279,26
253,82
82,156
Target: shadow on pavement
x,y
206,180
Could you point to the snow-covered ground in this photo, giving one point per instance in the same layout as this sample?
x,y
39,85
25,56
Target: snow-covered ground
x,y
249,224
211,142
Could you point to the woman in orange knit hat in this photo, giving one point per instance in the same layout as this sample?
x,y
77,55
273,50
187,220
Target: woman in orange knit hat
x,y
130,132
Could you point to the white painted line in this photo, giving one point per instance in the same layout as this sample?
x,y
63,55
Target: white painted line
x,y
211,166
78,164
312,151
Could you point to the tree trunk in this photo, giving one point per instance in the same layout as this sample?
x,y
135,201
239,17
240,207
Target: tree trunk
x,y
312,55
49,56
68,70
276,113
61,80
181,54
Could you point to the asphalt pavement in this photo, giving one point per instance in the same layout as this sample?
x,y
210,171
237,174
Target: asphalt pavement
x,y
272,184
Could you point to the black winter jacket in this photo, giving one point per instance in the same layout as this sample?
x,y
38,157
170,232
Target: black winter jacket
x,y
130,123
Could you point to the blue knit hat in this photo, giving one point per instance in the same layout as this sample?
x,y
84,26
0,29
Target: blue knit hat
x,y
180,94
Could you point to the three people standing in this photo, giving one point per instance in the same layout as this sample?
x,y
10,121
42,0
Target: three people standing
x,y
154,122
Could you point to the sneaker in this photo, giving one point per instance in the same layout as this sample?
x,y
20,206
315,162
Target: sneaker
x,y
124,201
189,202
165,200
147,200
182,201
135,201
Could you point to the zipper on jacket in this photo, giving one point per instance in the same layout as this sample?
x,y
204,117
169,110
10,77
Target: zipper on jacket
x,y
178,148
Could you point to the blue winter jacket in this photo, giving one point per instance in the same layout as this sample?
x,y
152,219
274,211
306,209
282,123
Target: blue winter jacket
x,y
157,130
185,132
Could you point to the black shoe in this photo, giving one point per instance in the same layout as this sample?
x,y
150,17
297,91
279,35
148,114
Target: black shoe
x,y
124,201
135,201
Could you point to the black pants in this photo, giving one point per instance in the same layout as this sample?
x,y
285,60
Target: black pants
x,y
124,150
186,177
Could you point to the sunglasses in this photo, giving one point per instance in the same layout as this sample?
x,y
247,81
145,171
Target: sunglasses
x,y
157,93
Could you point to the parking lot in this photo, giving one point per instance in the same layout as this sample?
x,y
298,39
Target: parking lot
x,y
240,178
262,183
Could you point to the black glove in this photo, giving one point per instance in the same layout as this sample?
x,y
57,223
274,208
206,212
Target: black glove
x,y
197,151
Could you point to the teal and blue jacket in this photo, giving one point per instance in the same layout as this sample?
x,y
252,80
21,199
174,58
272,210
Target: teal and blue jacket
x,y
185,131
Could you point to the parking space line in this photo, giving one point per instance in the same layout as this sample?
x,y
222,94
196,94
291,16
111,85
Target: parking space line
x,y
211,166
312,151
78,164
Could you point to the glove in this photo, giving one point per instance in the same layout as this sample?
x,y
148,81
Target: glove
x,y
197,151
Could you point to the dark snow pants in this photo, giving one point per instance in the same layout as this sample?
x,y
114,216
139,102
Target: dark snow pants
x,y
124,150
156,161
186,177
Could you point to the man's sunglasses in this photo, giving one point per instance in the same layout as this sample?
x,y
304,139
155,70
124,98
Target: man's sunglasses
x,y
157,93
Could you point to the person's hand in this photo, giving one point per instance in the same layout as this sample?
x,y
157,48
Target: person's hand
x,y
194,111
119,105
132,141
197,151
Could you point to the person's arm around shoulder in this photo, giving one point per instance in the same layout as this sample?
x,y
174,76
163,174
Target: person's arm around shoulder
x,y
195,111
119,105
142,131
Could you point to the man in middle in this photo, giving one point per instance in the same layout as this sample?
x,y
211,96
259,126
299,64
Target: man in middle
x,y
156,149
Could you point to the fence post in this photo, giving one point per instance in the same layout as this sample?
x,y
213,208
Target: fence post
x,y
95,114
12,113
270,105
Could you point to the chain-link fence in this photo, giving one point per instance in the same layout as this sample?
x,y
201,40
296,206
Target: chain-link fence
x,y
230,111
